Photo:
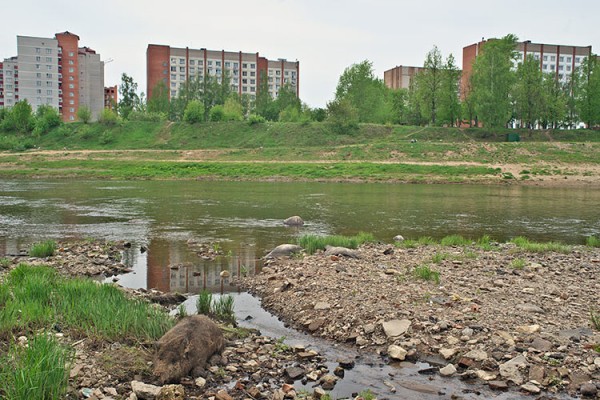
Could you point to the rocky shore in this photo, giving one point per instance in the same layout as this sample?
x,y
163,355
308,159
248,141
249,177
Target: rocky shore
x,y
511,319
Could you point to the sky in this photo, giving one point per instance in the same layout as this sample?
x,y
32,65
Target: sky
x,y
325,36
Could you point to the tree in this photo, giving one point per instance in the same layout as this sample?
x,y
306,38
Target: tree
x,y
449,105
46,118
233,109
364,92
343,116
264,105
129,97
21,116
429,84
554,111
528,92
84,114
492,81
159,103
586,91
398,106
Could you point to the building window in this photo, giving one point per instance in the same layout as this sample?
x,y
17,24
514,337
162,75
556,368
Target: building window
x,y
217,63
278,72
561,59
173,93
553,58
48,51
253,73
568,68
38,75
252,66
38,91
192,70
71,86
227,64
39,100
71,77
71,54
173,69
244,65
569,59
236,65
182,61
181,69
38,58
244,81
173,84
71,118
192,62
71,62
164,64
173,77
560,67
552,66
72,109
71,69
37,66
71,101
173,61
244,73
38,83
49,67
252,89
253,81
545,58
182,77
38,50
577,60
244,88
49,92
209,62
48,59
200,62
71,94
545,66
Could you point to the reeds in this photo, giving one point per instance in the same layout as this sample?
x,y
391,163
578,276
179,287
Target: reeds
x,y
220,308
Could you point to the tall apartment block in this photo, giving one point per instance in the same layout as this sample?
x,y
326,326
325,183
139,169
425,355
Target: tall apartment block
x,y
54,71
556,59
174,66
400,77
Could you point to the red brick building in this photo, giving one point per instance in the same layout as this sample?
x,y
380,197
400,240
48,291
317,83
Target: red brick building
x,y
400,76
173,66
110,97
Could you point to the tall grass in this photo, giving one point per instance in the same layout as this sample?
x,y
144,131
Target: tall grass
x,y
221,308
39,370
204,302
312,243
485,243
592,241
36,297
455,240
535,247
43,249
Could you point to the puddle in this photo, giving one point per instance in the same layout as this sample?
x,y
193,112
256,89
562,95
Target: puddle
x,y
370,371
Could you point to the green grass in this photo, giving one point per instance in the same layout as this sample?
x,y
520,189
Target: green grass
x,y
455,240
204,302
412,243
592,241
367,395
518,263
439,257
35,298
485,243
43,249
4,262
312,243
220,308
39,370
536,247
425,273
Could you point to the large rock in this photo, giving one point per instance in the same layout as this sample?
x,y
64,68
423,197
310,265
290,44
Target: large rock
x,y
512,370
171,392
397,352
477,355
186,348
144,391
396,327
284,250
340,251
293,221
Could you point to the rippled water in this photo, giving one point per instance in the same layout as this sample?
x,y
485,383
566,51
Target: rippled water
x,y
245,218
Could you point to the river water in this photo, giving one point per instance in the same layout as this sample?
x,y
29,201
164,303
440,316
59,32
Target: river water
x,y
244,219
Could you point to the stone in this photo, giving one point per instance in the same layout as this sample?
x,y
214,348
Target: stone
x,y
320,306
316,324
528,329
340,251
477,355
223,395
200,382
498,385
294,373
398,238
346,363
144,391
451,340
588,390
485,376
186,348
294,221
328,381
395,328
284,250
319,393
397,352
369,329
511,370
171,392
530,308
537,373
542,345
448,370
530,388
361,341
448,353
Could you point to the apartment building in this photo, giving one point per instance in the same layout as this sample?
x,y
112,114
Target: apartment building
x,y
400,77
55,72
174,66
111,97
560,60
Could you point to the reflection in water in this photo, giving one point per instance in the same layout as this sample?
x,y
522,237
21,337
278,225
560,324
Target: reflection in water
x,y
245,218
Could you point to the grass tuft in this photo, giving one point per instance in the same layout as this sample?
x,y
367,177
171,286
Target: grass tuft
x,y
518,263
535,247
204,303
220,308
39,370
43,249
312,243
592,241
425,273
455,240
485,243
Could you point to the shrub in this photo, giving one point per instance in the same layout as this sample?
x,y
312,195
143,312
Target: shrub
x,y
217,113
254,119
84,114
43,249
592,241
194,112
108,117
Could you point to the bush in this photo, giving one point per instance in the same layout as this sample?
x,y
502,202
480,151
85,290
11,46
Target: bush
x,y
256,119
194,112
217,113
147,116
342,116
108,117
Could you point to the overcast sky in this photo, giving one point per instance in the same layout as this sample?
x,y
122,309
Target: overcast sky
x,y
326,36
